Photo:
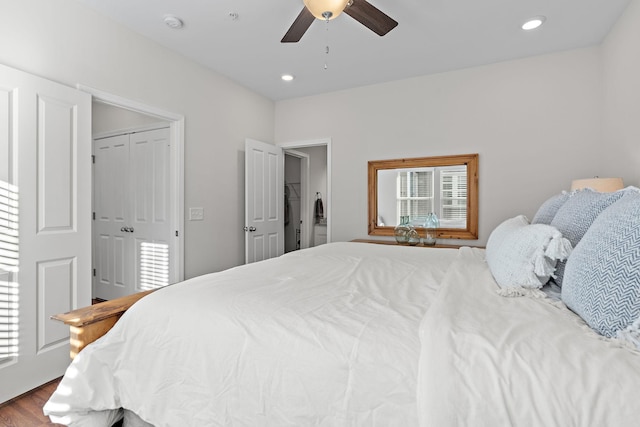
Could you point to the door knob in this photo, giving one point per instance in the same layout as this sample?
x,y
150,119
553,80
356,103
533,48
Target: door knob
x,y
123,229
252,228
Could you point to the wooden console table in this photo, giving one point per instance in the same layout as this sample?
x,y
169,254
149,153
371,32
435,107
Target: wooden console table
x,y
394,243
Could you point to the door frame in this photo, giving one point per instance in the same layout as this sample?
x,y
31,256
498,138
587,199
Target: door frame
x,y
292,145
176,131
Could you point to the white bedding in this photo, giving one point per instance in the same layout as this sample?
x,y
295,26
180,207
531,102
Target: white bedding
x,y
326,337
490,361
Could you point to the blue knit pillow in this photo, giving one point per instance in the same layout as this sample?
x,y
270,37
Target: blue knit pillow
x,y
602,277
575,216
549,208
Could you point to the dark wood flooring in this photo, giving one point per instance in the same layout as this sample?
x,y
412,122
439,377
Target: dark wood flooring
x,y
26,410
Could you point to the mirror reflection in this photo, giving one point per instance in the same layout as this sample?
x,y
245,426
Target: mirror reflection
x,y
414,188
416,192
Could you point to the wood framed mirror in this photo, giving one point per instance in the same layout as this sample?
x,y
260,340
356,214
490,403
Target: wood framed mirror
x,y
445,185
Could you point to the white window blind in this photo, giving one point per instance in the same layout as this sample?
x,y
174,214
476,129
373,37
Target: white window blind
x,y
453,194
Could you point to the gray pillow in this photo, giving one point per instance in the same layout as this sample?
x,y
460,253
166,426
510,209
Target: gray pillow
x,y
602,277
549,208
576,215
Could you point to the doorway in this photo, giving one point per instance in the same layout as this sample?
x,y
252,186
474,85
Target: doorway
x,y
114,115
318,153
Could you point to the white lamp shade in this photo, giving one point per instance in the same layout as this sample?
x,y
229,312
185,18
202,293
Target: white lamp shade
x,y
603,185
318,7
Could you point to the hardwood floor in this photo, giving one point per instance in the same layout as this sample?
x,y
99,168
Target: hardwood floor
x,y
26,410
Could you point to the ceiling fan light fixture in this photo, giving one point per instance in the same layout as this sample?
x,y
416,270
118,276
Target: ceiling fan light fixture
x,y
326,9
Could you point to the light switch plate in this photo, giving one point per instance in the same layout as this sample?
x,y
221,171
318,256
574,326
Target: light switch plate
x,y
196,214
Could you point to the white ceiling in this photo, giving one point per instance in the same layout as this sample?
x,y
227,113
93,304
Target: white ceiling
x,y
432,36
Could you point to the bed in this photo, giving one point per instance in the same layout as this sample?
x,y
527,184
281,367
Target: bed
x,y
355,334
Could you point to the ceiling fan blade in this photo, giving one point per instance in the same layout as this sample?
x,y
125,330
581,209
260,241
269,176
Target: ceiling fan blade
x,y
299,27
370,16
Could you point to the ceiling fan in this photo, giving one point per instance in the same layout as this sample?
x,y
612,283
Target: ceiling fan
x,y
360,10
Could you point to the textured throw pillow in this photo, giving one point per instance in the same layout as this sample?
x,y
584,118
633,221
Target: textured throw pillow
x,y
602,276
521,255
549,208
575,216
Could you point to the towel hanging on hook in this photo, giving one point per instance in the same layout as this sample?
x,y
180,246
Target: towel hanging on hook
x,y
319,209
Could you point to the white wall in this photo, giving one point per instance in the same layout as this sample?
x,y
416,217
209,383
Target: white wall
x,y
536,123
621,59
67,42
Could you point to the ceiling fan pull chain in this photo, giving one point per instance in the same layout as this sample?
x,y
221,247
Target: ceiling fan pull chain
x,y
326,50
326,57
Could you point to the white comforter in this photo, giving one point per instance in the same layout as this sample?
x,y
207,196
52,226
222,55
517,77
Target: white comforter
x,y
490,361
325,337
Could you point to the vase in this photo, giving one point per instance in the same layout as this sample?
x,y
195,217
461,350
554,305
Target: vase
x,y
413,238
431,225
401,232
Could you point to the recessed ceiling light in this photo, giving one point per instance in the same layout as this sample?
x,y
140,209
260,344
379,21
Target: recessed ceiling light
x,y
287,77
533,23
173,22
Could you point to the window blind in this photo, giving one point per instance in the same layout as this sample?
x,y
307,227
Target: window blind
x,y
453,194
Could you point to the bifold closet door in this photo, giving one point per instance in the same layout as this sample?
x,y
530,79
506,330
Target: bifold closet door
x,y
132,227
150,215
112,270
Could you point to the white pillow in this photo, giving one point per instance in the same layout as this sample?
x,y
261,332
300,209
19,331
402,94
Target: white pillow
x,y
523,255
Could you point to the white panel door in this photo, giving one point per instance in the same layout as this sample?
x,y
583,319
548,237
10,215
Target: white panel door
x,y
111,210
150,218
264,201
45,214
132,227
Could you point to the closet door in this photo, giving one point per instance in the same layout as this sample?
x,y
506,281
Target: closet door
x,y
132,227
112,270
150,217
